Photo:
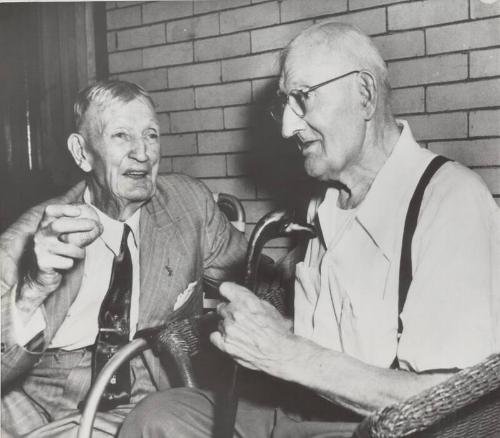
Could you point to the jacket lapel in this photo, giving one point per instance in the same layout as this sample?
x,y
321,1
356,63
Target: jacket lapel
x,y
162,249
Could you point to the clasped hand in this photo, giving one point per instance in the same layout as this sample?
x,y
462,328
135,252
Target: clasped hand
x,y
252,331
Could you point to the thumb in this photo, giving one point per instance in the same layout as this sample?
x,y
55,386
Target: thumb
x,y
234,292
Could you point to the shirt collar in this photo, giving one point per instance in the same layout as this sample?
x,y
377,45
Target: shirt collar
x,y
332,219
383,211
113,229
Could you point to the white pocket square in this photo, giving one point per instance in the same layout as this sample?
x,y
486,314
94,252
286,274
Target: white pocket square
x,y
184,296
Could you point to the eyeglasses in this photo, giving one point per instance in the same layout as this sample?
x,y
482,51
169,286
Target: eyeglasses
x,y
297,98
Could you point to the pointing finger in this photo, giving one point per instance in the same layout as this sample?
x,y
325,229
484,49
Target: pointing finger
x,y
60,210
72,225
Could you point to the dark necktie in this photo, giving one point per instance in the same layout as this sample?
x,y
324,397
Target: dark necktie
x,y
114,328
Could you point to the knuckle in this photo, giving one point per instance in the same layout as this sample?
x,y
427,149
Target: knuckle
x,y
39,251
229,330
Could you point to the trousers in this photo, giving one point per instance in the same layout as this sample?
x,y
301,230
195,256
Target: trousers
x,y
46,402
192,413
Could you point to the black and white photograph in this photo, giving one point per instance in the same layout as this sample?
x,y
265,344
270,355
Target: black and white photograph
x,y
250,219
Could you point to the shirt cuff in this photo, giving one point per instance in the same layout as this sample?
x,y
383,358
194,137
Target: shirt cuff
x,y
25,332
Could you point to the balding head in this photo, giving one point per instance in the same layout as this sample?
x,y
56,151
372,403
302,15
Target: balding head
x,y
348,46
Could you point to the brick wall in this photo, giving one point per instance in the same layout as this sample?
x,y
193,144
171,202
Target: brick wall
x,y
212,65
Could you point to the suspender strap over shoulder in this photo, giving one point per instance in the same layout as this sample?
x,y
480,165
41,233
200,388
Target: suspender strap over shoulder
x,y
405,267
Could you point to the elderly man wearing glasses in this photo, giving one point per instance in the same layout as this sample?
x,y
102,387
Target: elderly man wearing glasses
x,y
381,312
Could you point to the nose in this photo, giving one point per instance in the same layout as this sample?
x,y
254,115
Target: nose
x,y
139,150
291,123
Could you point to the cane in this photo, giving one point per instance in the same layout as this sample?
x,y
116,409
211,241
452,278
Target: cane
x,y
274,224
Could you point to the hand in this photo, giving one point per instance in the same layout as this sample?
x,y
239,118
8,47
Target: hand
x,y
60,239
252,331
84,237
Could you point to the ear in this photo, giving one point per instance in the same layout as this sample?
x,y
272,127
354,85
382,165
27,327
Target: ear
x,y
369,93
77,149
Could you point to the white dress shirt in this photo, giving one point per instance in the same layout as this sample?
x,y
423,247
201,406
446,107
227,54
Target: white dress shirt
x,y
80,327
346,292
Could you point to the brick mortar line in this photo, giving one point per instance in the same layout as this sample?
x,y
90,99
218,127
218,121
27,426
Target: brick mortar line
x,y
204,155
487,166
426,53
427,56
209,131
266,26
191,86
187,63
475,138
459,110
387,19
468,64
314,18
389,33
492,107
250,151
369,8
147,69
472,109
451,82
256,103
194,16
198,14
442,140
453,23
219,60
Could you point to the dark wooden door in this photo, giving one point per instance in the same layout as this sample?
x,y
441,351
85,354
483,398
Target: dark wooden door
x,y
45,50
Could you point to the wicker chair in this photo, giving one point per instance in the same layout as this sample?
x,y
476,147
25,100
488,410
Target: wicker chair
x,y
465,405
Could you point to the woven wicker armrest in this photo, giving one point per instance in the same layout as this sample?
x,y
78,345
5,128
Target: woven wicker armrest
x,y
179,340
467,404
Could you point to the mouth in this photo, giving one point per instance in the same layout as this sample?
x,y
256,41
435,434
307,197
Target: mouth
x,y
136,174
303,145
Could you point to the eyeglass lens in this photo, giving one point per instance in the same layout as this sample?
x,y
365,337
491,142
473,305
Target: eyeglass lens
x,y
296,101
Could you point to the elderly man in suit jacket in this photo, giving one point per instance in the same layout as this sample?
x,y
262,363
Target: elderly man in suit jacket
x,y
58,260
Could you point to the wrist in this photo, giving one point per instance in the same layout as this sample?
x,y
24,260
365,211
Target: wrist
x,y
44,282
33,292
283,362
303,356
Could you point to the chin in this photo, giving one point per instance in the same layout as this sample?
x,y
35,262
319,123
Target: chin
x,y
315,171
139,195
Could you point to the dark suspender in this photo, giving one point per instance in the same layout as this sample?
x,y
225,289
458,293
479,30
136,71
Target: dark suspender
x,y
405,266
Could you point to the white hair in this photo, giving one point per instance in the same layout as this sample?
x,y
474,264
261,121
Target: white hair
x,y
103,93
352,44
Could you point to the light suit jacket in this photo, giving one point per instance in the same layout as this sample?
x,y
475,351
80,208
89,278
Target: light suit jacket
x,y
183,237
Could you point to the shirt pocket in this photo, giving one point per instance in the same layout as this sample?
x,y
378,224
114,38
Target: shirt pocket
x,y
362,272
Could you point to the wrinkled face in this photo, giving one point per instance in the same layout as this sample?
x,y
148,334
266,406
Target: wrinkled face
x,y
123,151
330,136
